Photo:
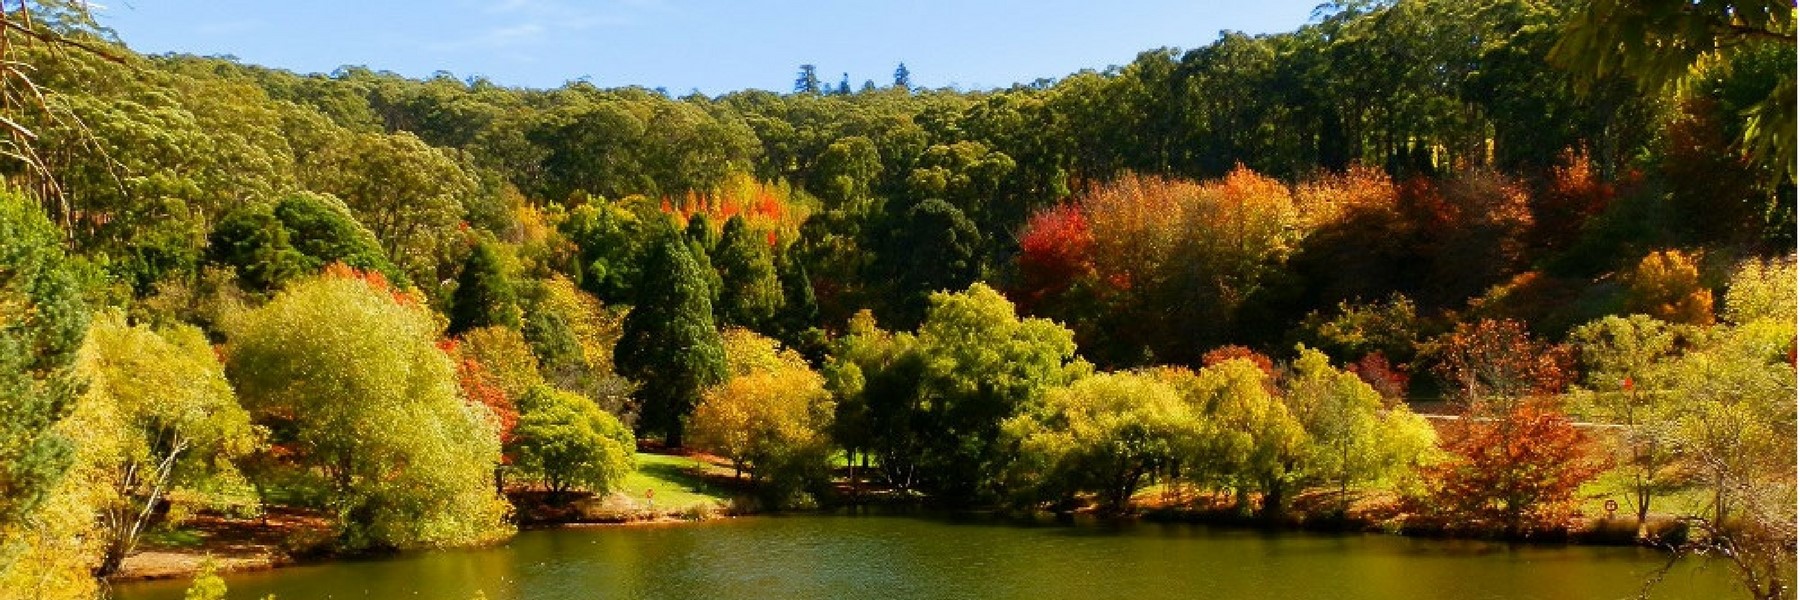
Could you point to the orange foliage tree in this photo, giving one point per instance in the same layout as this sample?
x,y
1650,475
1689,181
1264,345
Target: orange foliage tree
x,y
775,208
480,386
1170,261
1519,469
1496,363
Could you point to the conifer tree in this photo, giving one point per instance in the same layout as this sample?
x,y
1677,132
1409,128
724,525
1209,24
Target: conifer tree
x,y
670,346
484,295
750,292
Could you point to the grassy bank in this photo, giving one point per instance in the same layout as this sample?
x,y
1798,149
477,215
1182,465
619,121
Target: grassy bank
x,y
680,488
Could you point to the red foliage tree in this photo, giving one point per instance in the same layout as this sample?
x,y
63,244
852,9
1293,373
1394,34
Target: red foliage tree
x,y
1519,470
1374,369
1573,194
1225,353
1055,251
481,387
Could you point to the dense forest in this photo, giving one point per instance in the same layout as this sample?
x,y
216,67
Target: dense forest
x,y
1231,269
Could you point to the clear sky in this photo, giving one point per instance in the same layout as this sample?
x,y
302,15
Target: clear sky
x,y
681,45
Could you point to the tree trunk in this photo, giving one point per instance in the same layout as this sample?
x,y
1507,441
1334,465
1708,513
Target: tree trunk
x,y
1273,497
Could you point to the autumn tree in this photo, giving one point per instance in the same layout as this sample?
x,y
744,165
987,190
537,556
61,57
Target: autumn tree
x,y
770,417
669,345
1666,285
1489,364
1518,470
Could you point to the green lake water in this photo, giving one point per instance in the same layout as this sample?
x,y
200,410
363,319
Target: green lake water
x,y
807,557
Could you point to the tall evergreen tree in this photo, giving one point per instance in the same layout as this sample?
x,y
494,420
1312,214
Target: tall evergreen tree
x,y
670,346
484,294
797,321
902,77
749,293
808,80
843,86
44,322
701,244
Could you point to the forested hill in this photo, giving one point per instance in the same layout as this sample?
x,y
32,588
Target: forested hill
x,y
1500,181
402,307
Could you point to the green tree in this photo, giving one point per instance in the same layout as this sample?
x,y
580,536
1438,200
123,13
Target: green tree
x,y
1351,437
484,292
1109,434
322,228
44,317
807,82
749,292
347,372
931,248
1254,442
797,323
567,442
1666,44
254,242
1625,361
670,346
937,407
161,417
409,194
573,337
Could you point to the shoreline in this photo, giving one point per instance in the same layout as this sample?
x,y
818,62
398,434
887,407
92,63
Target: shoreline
x,y
166,564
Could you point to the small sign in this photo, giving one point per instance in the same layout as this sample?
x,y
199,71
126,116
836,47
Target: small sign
x,y
1612,506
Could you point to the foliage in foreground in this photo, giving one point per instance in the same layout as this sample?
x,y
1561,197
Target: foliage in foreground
x,y
406,464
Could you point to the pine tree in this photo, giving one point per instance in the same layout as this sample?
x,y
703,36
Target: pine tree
x,y
843,86
902,77
701,243
484,294
797,321
808,80
670,346
749,293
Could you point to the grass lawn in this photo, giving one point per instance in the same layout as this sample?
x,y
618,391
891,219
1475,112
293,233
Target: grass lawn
x,y
1615,484
679,482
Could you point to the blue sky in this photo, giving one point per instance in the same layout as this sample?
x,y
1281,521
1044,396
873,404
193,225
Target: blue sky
x,y
710,45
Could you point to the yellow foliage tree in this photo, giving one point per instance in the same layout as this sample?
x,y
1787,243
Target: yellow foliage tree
x,y
1666,285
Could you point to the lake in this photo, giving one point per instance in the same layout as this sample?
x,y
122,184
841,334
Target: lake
x,y
933,557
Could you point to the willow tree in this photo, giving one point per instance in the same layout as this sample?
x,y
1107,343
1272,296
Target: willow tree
x,y
347,372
